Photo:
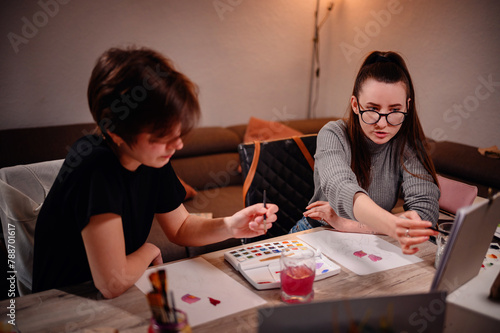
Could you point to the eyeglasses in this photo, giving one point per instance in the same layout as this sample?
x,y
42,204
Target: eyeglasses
x,y
371,117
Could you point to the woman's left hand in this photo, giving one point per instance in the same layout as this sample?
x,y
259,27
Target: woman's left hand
x,y
249,222
321,210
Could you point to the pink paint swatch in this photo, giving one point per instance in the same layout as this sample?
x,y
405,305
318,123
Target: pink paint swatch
x,y
374,257
359,254
188,298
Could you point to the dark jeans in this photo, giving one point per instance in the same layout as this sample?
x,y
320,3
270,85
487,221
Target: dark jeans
x,y
305,223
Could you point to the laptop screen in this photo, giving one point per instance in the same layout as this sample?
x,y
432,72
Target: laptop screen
x,y
467,244
401,313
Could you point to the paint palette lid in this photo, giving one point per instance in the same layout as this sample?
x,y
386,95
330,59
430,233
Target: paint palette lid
x,y
260,264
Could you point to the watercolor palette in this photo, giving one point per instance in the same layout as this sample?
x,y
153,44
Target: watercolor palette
x,y
260,263
492,257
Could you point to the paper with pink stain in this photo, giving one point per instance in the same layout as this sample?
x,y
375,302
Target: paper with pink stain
x,y
203,291
373,257
190,299
360,253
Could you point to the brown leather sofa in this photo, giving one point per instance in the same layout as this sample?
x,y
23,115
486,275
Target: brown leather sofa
x,y
209,162
464,163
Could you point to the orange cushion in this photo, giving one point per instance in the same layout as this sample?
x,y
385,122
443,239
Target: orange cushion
x,y
190,191
261,130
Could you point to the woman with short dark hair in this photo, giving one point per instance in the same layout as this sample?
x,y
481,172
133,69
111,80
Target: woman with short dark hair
x,y
98,214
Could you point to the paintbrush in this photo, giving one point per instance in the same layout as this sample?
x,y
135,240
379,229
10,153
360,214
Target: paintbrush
x,y
440,231
264,201
154,277
159,281
155,301
162,274
169,307
173,306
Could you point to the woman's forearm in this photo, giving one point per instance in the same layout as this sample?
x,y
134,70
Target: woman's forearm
x,y
117,280
374,217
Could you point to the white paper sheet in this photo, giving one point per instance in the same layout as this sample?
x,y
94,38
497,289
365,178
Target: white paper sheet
x,y
360,253
199,278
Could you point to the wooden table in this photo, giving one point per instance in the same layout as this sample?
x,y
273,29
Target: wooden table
x,y
83,307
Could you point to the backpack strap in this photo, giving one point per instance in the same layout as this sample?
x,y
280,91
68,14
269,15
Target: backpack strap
x,y
251,171
304,151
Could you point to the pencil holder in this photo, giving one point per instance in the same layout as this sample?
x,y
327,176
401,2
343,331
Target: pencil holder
x,y
181,325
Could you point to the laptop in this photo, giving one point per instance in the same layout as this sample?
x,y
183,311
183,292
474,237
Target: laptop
x,y
468,242
400,313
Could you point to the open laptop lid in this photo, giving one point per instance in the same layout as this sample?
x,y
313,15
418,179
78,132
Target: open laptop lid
x,y
467,245
400,313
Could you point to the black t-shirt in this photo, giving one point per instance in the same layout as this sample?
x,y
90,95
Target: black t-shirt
x,y
92,181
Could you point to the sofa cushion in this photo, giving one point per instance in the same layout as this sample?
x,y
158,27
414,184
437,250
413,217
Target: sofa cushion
x,y
459,161
208,140
455,194
220,201
309,126
306,126
32,145
190,191
209,171
262,130
169,250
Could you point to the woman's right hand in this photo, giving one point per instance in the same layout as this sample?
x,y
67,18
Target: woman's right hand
x,y
410,231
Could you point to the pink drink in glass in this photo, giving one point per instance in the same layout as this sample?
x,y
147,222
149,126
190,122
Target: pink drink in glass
x,y
297,281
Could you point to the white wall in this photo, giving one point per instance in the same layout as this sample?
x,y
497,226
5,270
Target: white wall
x,y
253,57
451,49
248,57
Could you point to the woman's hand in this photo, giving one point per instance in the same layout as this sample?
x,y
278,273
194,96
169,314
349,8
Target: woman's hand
x,y
321,210
158,260
249,222
410,231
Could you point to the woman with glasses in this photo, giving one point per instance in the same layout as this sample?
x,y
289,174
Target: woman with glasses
x,y
364,163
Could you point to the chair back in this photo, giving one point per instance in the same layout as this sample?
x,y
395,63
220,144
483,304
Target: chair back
x,y
455,194
23,189
285,169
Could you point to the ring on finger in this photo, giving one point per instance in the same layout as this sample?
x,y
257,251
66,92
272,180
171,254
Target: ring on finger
x,y
407,233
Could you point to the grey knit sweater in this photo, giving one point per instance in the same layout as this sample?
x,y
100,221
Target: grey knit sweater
x,y
336,183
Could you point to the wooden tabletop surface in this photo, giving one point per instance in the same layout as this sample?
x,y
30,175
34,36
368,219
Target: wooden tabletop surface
x,y
82,307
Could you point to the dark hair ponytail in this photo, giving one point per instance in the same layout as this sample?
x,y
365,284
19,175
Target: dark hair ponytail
x,y
387,67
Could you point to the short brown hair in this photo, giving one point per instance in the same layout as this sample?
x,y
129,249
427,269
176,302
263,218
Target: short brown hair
x,y
138,90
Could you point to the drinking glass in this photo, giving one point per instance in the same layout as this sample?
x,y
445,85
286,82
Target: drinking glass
x,y
298,269
181,326
441,241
